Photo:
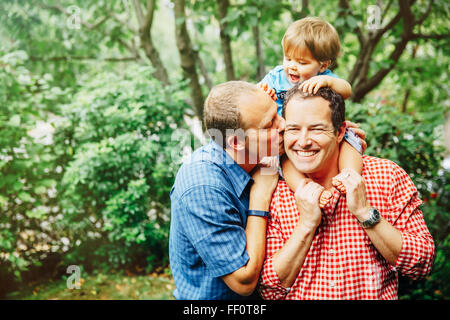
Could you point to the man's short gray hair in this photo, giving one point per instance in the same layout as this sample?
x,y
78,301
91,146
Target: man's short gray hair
x,y
221,109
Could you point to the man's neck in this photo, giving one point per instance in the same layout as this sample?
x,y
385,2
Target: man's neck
x,y
325,177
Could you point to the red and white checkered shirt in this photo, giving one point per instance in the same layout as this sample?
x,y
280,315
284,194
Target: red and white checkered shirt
x,y
342,262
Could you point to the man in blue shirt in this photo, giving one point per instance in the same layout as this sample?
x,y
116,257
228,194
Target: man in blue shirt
x,y
216,245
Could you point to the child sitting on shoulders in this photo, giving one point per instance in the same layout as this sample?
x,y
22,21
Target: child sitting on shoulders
x,y
310,47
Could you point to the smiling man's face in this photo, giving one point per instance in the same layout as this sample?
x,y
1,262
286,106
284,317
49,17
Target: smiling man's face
x,y
310,141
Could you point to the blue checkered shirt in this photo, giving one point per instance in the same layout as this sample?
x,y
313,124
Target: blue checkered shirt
x,y
207,240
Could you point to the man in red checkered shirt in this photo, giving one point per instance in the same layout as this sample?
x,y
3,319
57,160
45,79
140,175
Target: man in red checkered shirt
x,y
355,246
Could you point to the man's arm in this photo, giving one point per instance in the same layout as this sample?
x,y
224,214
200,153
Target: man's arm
x,y
244,280
288,261
389,240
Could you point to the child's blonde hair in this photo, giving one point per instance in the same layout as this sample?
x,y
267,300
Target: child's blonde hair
x,y
313,33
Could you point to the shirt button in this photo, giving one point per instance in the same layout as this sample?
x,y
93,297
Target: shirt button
x,y
332,284
332,252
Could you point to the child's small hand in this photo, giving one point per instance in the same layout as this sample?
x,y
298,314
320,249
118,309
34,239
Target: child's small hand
x,y
358,131
315,83
270,91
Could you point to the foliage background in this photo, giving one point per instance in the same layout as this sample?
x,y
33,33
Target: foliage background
x,y
99,100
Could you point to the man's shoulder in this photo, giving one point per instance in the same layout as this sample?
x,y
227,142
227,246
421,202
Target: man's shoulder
x,y
199,172
387,174
203,168
380,166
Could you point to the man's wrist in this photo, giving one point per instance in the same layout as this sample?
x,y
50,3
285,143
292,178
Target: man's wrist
x,y
259,205
373,218
362,214
258,213
260,200
308,226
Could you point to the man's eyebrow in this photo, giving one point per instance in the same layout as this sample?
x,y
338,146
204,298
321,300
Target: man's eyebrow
x,y
317,125
292,125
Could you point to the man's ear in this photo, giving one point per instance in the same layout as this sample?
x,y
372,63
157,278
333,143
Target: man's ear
x,y
235,143
341,133
324,65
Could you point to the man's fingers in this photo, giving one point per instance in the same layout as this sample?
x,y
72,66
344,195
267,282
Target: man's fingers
x,y
312,191
301,185
349,179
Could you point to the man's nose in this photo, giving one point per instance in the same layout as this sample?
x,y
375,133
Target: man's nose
x,y
303,139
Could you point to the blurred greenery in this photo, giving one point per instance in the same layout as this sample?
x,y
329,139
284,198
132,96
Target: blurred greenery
x,y
92,134
99,286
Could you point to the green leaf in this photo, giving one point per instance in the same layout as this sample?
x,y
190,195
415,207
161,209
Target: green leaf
x,y
25,196
14,121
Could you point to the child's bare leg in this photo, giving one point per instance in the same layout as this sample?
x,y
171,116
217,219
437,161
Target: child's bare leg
x,y
349,157
293,178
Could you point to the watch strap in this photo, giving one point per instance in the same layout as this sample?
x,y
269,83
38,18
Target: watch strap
x,y
374,218
259,213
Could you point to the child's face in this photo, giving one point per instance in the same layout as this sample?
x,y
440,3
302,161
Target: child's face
x,y
300,65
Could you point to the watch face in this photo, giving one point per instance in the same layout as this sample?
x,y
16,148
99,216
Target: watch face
x,y
373,219
376,214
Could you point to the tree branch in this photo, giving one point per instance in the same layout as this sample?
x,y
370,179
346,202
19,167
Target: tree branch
x,y
149,14
345,5
188,57
408,17
125,24
425,15
387,27
58,7
139,13
225,41
69,58
416,36
385,11
145,23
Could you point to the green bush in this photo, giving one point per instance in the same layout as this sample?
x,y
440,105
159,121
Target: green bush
x,y
414,141
116,187
28,200
97,194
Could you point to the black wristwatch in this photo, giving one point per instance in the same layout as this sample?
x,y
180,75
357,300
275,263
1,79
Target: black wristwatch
x,y
374,218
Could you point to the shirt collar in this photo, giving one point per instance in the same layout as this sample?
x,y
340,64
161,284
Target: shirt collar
x,y
238,176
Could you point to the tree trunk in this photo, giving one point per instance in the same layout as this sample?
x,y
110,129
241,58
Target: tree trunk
x,y
145,21
225,41
261,70
188,58
303,12
408,90
153,55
